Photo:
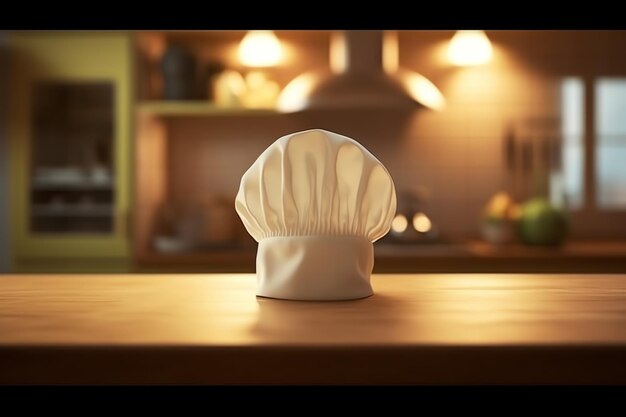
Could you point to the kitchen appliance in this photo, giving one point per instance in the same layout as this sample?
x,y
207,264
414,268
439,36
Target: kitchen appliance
x,y
364,74
412,223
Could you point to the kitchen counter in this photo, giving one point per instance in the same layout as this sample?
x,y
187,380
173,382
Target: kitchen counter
x,y
479,256
431,328
472,256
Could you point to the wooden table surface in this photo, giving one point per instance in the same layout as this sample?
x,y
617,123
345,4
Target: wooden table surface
x,y
431,328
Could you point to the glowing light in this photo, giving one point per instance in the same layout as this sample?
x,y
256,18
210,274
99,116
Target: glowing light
x,y
421,223
260,48
399,223
469,47
338,62
422,90
294,96
391,52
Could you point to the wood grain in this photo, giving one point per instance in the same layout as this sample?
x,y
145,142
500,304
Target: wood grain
x,y
210,328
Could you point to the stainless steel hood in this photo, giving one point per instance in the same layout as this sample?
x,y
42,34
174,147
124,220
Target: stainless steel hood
x,y
364,74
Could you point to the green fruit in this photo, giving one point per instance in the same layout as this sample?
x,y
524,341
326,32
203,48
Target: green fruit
x,y
541,224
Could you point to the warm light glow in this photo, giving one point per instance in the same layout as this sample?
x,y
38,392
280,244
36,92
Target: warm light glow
x,y
399,223
294,96
260,48
421,223
469,47
422,90
338,62
391,52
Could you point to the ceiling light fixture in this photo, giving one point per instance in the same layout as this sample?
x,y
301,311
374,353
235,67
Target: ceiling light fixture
x,y
260,48
469,48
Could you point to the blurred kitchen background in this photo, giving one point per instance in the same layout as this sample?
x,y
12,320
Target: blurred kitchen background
x,y
123,151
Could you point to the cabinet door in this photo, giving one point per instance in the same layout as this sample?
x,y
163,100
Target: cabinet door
x,y
70,101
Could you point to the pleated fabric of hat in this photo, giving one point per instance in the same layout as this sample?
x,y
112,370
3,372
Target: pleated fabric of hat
x,y
316,201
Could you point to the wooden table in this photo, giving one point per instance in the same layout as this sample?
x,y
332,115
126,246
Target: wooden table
x,y
436,328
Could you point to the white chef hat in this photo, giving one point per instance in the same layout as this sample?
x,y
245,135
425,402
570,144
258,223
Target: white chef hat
x,y
315,201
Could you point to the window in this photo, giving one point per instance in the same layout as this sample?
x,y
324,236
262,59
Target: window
x,y
573,131
609,141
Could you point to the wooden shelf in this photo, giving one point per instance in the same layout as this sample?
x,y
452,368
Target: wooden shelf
x,y
197,108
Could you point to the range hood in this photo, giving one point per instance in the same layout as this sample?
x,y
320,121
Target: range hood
x,y
364,74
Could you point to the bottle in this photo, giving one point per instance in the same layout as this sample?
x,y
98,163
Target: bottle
x,y
179,70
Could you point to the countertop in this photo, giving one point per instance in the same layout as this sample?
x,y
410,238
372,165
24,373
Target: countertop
x,y
472,256
210,328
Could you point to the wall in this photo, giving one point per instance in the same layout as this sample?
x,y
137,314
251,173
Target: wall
x,y
4,159
456,154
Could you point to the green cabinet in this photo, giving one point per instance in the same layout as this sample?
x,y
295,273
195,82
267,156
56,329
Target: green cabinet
x,y
70,126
